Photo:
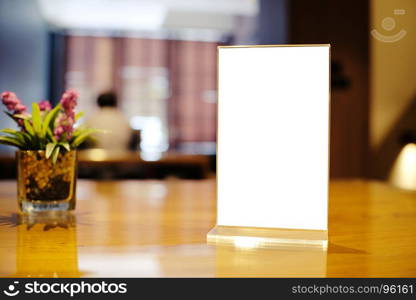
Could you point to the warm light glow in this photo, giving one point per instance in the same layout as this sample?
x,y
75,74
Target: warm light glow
x,y
106,14
153,136
403,173
246,242
200,19
97,154
273,137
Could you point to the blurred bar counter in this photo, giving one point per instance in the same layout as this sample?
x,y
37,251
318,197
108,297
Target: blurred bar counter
x,y
103,164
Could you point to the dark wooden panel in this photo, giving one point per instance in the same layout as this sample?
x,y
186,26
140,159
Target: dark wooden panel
x,y
343,24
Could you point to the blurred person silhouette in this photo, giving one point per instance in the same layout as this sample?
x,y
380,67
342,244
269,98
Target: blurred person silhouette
x,y
109,118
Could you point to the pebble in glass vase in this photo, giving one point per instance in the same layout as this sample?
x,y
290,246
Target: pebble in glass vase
x,y
44,185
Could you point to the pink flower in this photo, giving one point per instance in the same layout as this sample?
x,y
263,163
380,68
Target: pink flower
x,y
64,125
13,103
45,105
10,100
69,100
20,109
58,132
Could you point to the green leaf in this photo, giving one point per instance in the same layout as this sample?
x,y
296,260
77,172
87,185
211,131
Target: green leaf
x,y
20,116
51,136
49,149
79,115
49,117
10,141
37,119
66,146
24,138
55,155
28,127
28,140
17,116
17,135
82,136
9,131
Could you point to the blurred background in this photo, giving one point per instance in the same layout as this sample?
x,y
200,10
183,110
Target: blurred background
x,y
159,58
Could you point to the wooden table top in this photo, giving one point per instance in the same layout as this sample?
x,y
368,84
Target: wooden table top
x,y
158,229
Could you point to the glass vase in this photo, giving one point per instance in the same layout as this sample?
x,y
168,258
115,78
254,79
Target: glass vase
x,y
44,186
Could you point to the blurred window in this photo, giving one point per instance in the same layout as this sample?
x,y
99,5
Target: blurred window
x,y
166,88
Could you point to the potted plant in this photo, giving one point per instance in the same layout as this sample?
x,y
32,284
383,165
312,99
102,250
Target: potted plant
x,y
46,160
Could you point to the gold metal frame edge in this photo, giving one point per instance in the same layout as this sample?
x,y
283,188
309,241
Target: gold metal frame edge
x,y
273,46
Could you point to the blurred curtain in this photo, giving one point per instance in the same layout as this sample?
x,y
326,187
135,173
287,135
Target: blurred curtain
x,y
171,80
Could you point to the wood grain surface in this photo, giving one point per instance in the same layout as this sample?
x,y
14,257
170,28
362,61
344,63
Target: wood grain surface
x,y
138,228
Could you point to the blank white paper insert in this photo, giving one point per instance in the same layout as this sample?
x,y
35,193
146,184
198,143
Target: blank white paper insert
x,y
273,128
